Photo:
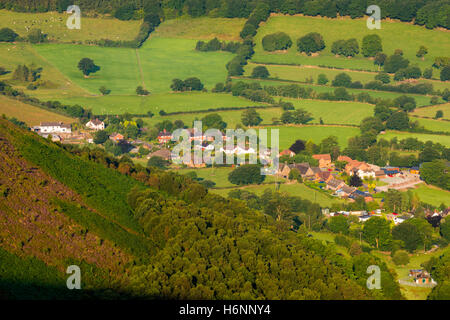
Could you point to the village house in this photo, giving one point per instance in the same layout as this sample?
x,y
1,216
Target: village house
x,y
357,193
323,176
334,184
116,137
95,124
344,159
345,191
55,137
414,170
164,137
421,276
287,152
324,160
53,127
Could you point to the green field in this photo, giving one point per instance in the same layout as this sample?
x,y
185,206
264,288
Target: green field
x,y
219,175
393,34
421,100
169,102
165,59
289,134
433,195
161,60
302,73
430,112
442,139
296,189
202,28
232,118
29,114
334,112
54,25
434,125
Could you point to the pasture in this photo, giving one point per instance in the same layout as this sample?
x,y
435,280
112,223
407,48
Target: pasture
x,y
421,100
169,102
432,195
154,65
202,28
442,139
394,35
232,118
334,112
295,189
54,25
289,134
29,114
433,125
304,72
430,112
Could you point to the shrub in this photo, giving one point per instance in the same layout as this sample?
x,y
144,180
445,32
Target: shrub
x,y
342,80
322,79
260,72
276,41
312,42
7,35
246,174
401,257
371,45
348,48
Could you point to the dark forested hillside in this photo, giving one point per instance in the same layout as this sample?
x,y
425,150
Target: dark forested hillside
x,y
151,234
432,13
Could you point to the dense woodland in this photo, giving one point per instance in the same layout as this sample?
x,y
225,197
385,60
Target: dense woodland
x,y
432,13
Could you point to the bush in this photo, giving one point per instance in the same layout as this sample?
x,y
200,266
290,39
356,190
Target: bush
x,y
36,36
342,80
246,174
401,257
141,91
7,35
276,41
260,72
322,79
383,77
347,48
445,73
312,42
394,63
371,45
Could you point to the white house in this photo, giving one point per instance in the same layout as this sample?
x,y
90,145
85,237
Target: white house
x,y
398,220
366,174
96,124
54,127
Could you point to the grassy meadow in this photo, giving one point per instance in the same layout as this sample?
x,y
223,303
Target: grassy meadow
x,y
433,195
202,28
54,25
394,35
433,125
169,102
430,112
29,114
289,134
421,100
442,139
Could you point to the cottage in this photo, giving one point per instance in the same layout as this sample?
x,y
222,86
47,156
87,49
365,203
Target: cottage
x,y
95,124
421,277
324,176
287,152
335,184
54,127
164,137
344,159
117,137
345,191
324,160
414,170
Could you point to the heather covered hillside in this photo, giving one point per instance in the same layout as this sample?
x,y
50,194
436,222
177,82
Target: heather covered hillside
x,y
163,236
